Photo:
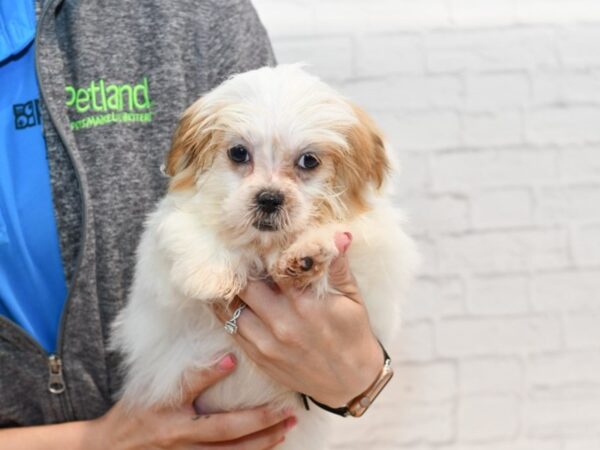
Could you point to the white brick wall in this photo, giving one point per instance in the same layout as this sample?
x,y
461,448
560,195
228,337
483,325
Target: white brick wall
x,y
494,110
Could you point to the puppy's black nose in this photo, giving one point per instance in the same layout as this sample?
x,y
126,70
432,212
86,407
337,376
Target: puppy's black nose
x,y
269,201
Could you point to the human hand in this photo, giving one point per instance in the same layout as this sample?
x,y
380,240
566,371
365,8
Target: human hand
x,y
182,428
323,348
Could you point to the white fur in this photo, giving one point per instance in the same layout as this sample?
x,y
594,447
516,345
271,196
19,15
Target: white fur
x,y
185,262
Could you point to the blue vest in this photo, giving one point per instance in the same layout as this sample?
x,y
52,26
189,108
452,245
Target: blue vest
x,y
32,281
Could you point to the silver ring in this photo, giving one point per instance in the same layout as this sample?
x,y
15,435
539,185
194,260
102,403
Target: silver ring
x,y
231,325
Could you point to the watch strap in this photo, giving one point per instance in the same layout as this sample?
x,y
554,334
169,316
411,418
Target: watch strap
x,y
343,411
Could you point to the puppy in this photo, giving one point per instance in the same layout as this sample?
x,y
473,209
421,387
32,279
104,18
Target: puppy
x,y
264,169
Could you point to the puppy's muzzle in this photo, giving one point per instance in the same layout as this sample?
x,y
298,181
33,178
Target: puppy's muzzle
x,y
268,203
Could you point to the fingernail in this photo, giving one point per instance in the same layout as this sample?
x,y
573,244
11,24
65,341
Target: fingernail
x,y
349,237
343,241
227,362
291,422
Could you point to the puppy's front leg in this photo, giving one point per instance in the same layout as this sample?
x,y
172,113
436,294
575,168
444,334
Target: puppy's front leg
x,y
306,262
208,280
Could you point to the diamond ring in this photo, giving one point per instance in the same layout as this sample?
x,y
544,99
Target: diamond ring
x,y
231,325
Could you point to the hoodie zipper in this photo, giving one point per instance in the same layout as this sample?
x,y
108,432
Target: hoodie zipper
x,y
77,170
56,382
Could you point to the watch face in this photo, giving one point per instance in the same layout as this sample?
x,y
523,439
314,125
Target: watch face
x,y
359,405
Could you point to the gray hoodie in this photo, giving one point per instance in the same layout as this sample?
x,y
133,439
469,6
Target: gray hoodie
x,y
114,77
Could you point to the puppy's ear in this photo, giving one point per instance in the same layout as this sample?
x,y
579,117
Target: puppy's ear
x,y
192,147
366,164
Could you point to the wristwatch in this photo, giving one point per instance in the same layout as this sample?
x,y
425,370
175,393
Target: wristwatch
x,y
359,404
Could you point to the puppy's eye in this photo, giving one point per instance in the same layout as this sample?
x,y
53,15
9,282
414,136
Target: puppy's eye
x,y
308,161
239,154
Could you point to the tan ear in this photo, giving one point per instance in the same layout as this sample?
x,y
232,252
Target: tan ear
x,y
192,148
366,164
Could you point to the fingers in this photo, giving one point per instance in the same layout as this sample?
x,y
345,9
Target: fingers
x,y
224,311
252,328
343,241
262,440
340,276
253,335
264,300
233,425
251,325
198,381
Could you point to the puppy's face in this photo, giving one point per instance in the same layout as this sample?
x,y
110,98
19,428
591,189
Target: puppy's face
x,y
273,151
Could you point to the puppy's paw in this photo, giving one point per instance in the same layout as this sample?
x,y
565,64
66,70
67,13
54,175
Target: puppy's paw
x,y
306,261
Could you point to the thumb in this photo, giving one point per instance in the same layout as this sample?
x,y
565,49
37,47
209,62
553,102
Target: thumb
x,y
340,276
198,381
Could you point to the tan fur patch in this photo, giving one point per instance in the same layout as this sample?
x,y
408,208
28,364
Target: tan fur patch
x,y
366,163
324,212
193,148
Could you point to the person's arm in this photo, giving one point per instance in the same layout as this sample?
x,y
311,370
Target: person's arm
x,y
72,435
166,428
324,349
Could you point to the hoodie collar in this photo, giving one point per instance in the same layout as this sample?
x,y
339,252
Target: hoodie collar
x,y
17,26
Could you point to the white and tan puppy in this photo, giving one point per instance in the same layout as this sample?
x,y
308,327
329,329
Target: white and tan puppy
x,y
265,169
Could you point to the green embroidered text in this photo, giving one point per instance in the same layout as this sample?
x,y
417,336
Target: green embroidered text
x,y
109,103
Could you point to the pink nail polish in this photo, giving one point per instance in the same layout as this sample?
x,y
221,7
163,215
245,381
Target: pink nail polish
x,y
291,422
343,240
349,236
227,362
